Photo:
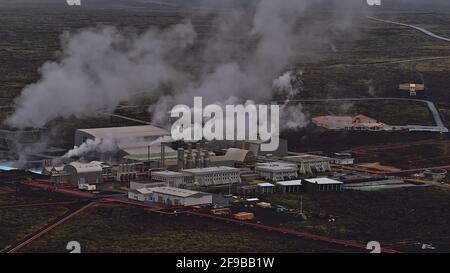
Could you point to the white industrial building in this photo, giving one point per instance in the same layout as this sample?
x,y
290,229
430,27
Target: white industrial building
x,y
323,184
309,164
180,197
146,133
277,171
265,188
210,176
141,194
342,159
127,172
134,185
134,143
84,173
236,156
173,179
291,186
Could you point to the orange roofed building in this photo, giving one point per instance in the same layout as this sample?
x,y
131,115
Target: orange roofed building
x,y
357,123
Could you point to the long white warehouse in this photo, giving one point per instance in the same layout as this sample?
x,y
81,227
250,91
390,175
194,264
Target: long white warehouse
x,y
221,175
180,197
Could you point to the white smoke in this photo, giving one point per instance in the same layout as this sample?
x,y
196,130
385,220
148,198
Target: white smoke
x,y
247,49
289,85
112,143
100,68
163,139
293,117
90,145
283,85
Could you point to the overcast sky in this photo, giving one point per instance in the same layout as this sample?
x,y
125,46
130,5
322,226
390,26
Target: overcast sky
x,y
387,3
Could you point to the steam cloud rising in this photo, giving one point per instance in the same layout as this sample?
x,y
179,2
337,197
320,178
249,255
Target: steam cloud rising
x,y
247,49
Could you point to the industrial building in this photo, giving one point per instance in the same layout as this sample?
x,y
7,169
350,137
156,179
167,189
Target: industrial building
x,y
238,157
199,157
323,185
134,143
49,169
180,197
146,184
173,179
84,173
356,123
266,188
309,164
378,185
412,88
144,133
277,171
127,172
248,189
140,194
292,186
342,159
56,173
251,145
211,176
196,157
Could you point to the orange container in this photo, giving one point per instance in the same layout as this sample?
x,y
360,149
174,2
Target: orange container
x,y
244,216
221,211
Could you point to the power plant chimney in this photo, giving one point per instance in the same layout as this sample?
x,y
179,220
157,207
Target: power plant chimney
x,y
189,156
198,155
163,154
180,159
205,155
206,159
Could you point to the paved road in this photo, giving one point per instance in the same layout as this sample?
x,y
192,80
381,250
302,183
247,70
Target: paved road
x,y
349,245
427,32
440,126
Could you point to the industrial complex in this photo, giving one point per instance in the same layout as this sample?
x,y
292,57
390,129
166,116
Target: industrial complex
x,y
101,145
151,168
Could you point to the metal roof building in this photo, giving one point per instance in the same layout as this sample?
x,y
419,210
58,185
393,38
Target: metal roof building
x,y
277,171
323,184
84,173
309,163
144,132
266,188
174,179
291,186
133,141
175,196
220,175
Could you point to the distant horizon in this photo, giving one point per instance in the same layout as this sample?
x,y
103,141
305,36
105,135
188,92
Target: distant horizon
x,y
386,4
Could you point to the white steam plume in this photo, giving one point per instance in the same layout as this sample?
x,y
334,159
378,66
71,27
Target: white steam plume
x,y
112,143
246,50
90,145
